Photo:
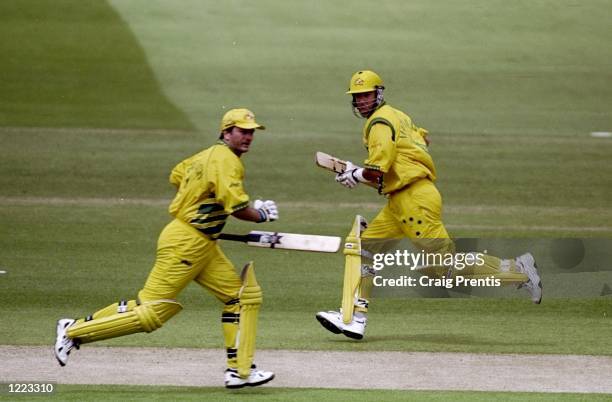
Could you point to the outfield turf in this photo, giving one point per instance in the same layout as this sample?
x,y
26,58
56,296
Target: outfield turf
x,y
75,63
147,393
101,99
83,258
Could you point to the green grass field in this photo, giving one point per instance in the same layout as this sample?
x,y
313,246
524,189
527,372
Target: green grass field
x,y
101,99
140,393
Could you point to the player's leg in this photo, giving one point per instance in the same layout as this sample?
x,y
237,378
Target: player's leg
x,y
144,317
419,209
221,279
175,266
358,274
241,298
122,306
64,344
343,322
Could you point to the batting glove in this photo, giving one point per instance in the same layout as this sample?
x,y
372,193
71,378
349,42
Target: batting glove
x,y
267,210
351,176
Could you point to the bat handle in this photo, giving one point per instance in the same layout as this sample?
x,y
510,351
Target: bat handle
x,y
234,237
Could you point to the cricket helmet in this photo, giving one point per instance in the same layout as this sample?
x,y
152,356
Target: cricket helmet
x,y
365,81
362,82
242,118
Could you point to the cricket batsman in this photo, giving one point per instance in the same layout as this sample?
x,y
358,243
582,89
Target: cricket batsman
x,y
399,163
209,190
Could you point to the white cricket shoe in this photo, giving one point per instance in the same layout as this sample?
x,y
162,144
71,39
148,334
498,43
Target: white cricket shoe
x,y
257,377
63,344
332,321
527,265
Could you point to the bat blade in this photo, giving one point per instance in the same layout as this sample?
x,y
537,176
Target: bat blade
x,y
330,162
294,241
335,165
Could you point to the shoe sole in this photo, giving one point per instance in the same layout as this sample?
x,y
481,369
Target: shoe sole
x,y
353,335
61,363
75,343
236,386
253,384
328,325
535,266
256,384
540,300
539,283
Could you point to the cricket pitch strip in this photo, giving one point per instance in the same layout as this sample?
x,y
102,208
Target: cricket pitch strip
x,y
315,369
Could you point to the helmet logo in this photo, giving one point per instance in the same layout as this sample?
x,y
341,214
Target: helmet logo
x,y
249,116
359,81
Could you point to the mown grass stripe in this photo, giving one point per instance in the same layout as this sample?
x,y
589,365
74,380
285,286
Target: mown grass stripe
x,y
456,209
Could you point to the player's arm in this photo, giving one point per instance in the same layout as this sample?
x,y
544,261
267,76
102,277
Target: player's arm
x,y
247,214
230,192
373,176
355,174
261,211
381,147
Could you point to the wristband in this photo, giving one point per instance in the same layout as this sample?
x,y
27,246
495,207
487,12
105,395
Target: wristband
x,y
358,175
263,217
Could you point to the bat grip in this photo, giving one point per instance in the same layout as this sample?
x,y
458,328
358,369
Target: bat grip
x,y
243,238
233,237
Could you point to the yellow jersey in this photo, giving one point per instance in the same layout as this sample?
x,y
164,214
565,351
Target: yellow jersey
x,y
397,148
210,189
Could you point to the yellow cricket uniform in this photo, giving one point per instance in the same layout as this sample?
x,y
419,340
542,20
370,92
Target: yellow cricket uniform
x,y
397,148
209,188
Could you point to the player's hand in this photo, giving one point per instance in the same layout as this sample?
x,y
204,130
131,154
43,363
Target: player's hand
x,y
351,176
267,210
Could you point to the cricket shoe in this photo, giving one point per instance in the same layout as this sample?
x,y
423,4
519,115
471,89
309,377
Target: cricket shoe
x,y
332,321
527,265
257,377
63,343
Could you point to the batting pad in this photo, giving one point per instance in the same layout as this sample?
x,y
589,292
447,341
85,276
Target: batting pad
x,y
352,269
146,317
251,298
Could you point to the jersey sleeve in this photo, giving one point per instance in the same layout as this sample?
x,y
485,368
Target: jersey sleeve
x,y
177,174
423,132
381,147
229,189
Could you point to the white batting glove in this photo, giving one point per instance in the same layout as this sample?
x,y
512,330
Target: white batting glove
x,y
351,176
267,210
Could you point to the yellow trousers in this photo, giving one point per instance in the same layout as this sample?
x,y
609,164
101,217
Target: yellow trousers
x,y
415,212
183,255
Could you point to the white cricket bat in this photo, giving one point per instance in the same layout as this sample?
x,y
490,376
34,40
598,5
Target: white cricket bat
x,y
334,164
288,241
